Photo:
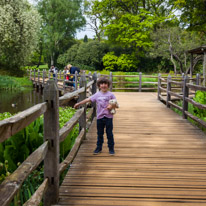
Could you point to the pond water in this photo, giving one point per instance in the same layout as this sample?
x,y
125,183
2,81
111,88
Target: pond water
x,y
16,101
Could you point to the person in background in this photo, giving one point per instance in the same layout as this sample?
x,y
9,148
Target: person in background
x,y
72,70
53,69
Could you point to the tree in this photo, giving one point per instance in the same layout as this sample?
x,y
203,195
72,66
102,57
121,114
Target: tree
x,y
124,62
129,23
86,54
192,14
96,20
173,43
20,24
85,38
61,19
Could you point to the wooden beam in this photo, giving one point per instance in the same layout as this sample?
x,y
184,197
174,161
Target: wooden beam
x,y
68,160
51,134
36,198
12,125
64,131
12,183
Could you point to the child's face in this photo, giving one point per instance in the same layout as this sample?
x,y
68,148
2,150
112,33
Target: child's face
x,y
104,87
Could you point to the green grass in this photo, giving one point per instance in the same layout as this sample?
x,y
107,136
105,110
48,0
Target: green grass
x,y
14,83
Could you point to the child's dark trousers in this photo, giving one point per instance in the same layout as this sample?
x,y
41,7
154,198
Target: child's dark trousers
x,y
101,124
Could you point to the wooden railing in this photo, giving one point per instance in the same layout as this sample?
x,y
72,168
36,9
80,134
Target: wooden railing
x,y
170,90
49,150
39,79
139,82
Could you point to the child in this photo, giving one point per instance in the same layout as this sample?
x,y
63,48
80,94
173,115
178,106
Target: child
x,y
104,117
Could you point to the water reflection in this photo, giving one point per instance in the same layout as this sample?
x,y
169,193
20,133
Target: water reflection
x,y
16,101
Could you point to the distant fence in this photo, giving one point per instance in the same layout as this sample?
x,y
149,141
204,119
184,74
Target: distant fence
x,y
39,79
49,150
172,89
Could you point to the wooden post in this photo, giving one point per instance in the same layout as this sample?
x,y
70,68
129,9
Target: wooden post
x,y
185,94
38,77
111,78
60,74
64,87
191,65
51,134
159,85
183,76
82,96
94,90
89,76
34,76
204,68
56,77
197,79
30,74
76,79
43,76
140,81
168,90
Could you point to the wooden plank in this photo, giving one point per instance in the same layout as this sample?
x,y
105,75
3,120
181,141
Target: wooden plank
x,y
160,159
69,96
12,183
12,125
36,198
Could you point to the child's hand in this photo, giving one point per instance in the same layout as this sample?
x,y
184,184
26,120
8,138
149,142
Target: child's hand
x,y
109,107
76,105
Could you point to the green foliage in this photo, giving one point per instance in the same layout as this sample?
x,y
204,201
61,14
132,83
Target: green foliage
x,y
60,20
124,62
18,33
64,115
110,61
18,147
192,14
172,43
14,83
200,97
88,54
85,39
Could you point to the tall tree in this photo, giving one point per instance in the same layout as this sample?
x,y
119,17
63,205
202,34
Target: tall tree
x,y
192,14
20,24
173,43
61,19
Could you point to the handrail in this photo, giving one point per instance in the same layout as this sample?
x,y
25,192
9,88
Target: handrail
x,y
185,96
72,153
52,137
38,195
12,125
66,129
12,183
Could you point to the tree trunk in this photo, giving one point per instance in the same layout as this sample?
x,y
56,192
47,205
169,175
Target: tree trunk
x,y
174,64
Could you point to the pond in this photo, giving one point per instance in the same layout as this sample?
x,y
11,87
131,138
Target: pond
x,y
16,101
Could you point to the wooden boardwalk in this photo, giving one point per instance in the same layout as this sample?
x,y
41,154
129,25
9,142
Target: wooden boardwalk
x,y
160,160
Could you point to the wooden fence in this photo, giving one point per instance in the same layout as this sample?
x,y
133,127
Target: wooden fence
x,y
39,79
172,89
49,150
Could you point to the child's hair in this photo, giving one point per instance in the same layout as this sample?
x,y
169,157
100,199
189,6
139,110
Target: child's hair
x,y
103,80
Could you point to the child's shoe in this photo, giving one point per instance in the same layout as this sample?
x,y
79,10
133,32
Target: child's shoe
x,y
97,151
111,152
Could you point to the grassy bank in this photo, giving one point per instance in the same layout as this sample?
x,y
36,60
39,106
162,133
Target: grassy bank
x,y
14,83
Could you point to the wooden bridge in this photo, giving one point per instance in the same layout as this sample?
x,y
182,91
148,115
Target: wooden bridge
x,y
160,157
160,160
